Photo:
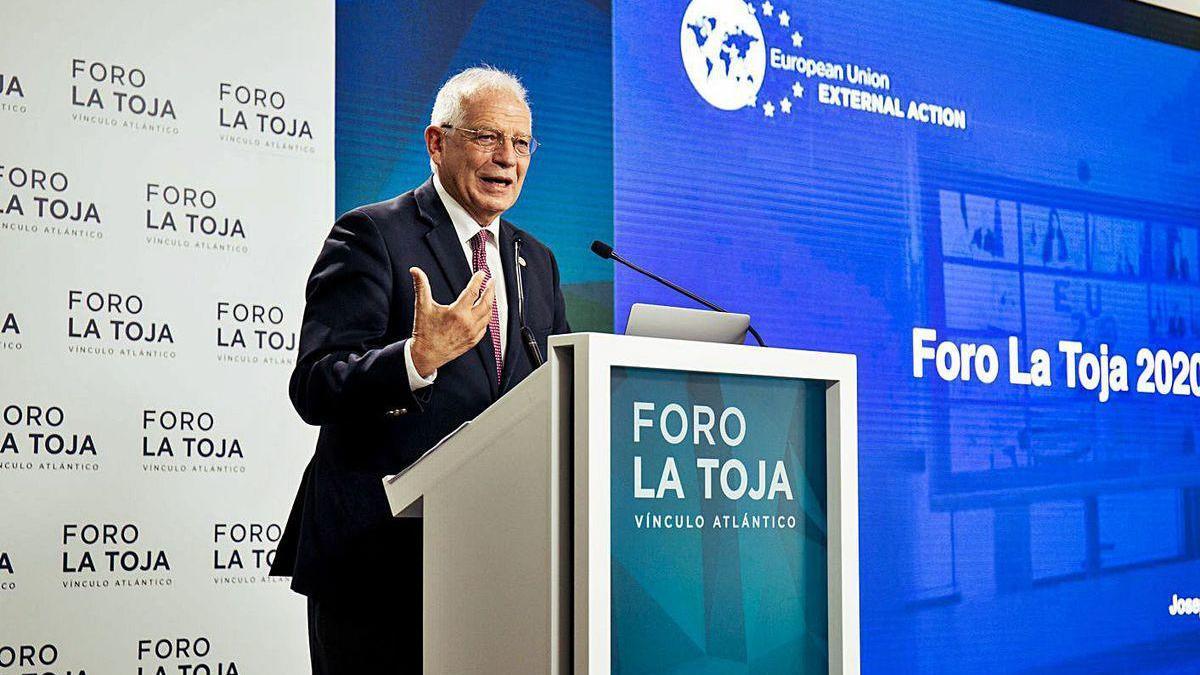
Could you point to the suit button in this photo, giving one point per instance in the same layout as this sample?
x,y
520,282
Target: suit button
x,y
397,412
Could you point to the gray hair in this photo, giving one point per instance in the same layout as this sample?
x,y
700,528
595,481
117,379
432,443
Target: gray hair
x,y
450,105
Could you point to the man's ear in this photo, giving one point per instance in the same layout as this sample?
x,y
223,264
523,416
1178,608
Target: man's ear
x,y
434,143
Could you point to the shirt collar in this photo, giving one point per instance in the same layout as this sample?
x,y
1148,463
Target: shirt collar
x,y
464,224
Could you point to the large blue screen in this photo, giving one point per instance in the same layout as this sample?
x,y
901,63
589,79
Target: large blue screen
x,y
848,171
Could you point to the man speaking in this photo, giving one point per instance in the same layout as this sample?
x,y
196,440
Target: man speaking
x,y
410,328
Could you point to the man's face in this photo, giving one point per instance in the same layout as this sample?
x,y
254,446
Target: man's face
x,y
485,182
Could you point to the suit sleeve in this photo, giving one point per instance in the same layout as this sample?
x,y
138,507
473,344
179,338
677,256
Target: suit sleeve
x,y
560,306
346,368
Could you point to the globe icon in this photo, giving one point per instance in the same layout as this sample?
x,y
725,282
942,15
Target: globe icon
x,y
723,53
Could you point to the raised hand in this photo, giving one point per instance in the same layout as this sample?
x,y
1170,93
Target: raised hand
x,y
442,332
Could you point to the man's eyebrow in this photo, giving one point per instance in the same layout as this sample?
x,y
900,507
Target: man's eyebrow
x,y
481,126
490,124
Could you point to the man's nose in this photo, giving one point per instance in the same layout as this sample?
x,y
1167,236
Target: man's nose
x,y
505,154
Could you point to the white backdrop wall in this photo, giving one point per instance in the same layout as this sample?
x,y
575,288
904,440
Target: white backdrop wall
x,y
166,178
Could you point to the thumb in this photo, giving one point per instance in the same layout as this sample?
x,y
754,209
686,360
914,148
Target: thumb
x,y
420,287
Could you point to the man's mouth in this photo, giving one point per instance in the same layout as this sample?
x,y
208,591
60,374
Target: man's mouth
x,y
497,180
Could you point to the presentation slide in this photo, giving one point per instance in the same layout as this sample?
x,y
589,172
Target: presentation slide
x,y
996,210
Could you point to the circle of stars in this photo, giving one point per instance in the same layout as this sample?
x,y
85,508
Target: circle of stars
x,y
785,103
769,10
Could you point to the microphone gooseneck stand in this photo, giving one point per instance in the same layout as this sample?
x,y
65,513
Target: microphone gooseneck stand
x,y
605,251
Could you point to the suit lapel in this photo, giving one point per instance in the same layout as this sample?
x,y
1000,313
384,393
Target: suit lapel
x,y
447,250
512,346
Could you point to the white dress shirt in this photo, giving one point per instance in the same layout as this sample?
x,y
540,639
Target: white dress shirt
x,y
466,228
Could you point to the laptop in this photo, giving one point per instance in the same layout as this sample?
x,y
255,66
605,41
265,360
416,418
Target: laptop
x,y
679,323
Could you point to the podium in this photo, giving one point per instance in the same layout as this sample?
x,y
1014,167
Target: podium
x,y
642,505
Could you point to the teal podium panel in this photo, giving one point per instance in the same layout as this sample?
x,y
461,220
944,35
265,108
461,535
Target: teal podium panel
x,y
719,530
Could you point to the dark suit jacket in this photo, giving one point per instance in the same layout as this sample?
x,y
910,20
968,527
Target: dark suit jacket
x,y
350,378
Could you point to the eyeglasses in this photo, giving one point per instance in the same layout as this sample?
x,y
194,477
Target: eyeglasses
x,y
490,139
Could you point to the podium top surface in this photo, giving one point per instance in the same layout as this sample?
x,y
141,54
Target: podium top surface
x,y
646,352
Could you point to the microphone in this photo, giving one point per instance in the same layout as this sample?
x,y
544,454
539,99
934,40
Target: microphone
x,y
605,251
527,338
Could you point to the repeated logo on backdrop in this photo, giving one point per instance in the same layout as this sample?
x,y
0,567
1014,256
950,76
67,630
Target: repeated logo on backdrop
x,y
112,555
189,217
260,117
43,437
120,96
108,323
188,441
242,553
44,200
254,333
158,217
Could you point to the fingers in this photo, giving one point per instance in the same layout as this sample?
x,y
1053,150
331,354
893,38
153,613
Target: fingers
x,y
480,314
484,304
470,294
481,327
424,297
